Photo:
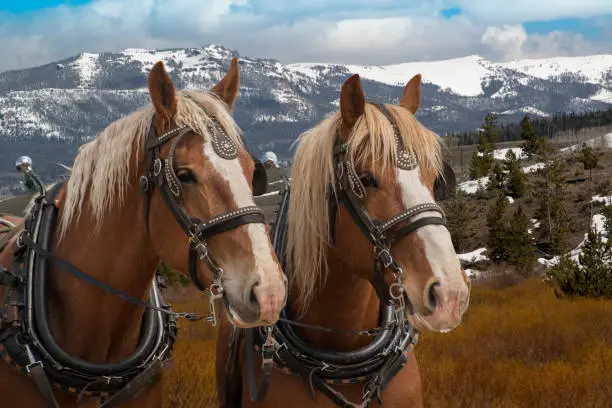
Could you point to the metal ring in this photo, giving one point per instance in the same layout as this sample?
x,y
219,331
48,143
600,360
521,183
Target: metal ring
x,y
144,183
157,167
396,287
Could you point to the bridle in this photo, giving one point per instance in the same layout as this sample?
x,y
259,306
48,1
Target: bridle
x,y
160,172
26,340
351,192
377,363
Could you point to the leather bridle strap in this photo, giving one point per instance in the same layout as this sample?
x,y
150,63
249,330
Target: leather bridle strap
x,y
160,173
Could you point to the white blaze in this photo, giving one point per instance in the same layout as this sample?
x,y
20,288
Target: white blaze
x,y
231,172
436,239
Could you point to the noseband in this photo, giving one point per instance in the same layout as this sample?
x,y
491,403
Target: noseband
x,y
350,191
160,172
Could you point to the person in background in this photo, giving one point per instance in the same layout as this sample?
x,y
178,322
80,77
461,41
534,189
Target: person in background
x,y
270,160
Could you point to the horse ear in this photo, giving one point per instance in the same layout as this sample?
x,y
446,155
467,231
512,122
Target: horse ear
x,y
352,100
445,185
162,91
227,88
412,94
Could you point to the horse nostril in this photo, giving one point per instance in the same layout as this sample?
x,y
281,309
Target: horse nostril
x,y
432,297
252,296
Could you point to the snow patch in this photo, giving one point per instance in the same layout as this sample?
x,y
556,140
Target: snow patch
x,y
87,67
527,109
472,186
467,73
603,95
606,200
267,118
593,68
474,256
533,167
597,224
500,154
471,273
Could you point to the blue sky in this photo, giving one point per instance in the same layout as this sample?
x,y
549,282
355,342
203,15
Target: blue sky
x,y
377,32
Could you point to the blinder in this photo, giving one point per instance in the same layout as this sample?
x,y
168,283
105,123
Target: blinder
x,y
260,178
445,185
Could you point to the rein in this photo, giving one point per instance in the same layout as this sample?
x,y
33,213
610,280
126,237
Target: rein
x,y
26,340
377,363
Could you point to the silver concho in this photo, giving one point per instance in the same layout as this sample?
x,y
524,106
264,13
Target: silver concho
x,y
222,144
405,159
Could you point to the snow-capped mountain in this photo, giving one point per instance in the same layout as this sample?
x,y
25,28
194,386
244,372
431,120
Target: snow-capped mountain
x,y
75,98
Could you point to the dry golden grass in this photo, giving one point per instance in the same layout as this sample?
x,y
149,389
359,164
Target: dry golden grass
x,y
517,347
521,347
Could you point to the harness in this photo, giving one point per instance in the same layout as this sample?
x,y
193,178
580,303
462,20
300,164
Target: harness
x,y
26,341
393,340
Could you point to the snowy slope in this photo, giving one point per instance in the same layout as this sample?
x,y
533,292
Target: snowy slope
x,y
593,68
76,97
466,76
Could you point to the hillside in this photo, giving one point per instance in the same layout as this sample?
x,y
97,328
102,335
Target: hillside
x,y
583,198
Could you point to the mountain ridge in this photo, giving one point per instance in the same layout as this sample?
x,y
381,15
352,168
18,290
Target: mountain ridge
x,y
75,98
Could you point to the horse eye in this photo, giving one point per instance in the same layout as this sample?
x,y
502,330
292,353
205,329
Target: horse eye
x,y
368,180
186,176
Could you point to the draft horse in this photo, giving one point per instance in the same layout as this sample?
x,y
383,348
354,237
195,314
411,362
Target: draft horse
x,y
81,310
369,260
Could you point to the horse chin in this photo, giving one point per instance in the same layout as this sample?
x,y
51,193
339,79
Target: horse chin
x,y
423,323
235,319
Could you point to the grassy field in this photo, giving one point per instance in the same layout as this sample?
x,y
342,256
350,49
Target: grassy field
x,y
519,346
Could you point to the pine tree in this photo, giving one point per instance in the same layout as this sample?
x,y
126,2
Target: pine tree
x,y
497,177
482,159
596,262
588,158
480,165
568,276
519,243
457,215
491,131
533,142
551,212
497,229
516,180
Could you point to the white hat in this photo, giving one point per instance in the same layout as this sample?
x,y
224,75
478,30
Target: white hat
x,y
270,156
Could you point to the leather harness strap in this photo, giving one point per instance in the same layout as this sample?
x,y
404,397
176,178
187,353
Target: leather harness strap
x,y
376,364
25,336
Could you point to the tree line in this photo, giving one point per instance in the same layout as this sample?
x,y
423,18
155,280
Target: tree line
x,y
546,127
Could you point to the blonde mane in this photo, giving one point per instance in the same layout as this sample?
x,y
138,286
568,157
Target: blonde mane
x,y
103,166
372,139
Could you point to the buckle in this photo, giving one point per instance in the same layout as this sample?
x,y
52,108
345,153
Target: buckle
x,y
385,256
268,349
29,367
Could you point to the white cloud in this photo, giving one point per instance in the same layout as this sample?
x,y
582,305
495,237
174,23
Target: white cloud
x,y
345,31
517,11
506,42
